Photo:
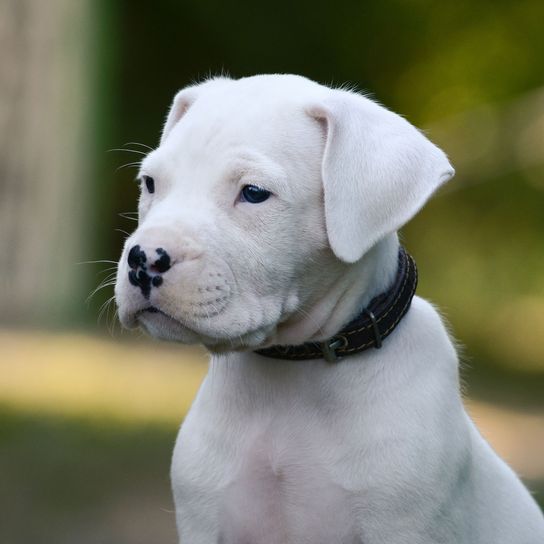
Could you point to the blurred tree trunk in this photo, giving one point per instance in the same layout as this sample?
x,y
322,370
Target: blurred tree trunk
x,y
44,100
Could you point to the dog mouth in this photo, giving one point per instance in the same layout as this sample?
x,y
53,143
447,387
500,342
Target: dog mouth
x,y
159,324
196,317
154,312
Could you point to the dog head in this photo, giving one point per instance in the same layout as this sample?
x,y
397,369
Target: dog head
x,y
263,191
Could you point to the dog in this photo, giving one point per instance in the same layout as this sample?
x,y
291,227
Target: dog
x,y
331,412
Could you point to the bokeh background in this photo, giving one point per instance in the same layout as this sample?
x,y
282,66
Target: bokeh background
x,y
89,413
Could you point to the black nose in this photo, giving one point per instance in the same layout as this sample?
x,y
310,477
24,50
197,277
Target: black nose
x,y
162,264
136,257
144,275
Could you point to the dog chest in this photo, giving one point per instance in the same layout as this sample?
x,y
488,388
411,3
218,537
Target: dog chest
x,y
268,481
281,490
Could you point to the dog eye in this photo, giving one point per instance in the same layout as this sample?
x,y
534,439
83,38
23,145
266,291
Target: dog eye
x,y
253,194
149,183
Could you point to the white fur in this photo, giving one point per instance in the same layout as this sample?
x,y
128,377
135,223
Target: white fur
x,y
374,449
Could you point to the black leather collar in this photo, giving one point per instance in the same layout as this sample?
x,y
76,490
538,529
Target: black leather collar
x,y
375,323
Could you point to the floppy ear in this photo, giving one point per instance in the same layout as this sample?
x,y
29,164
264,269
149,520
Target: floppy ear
x,y
182,102
185,99
378,170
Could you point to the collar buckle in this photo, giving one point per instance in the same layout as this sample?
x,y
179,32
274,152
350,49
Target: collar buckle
x,y
330,346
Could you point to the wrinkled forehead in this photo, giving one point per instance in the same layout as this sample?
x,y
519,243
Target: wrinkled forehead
x,y
245,126
267,121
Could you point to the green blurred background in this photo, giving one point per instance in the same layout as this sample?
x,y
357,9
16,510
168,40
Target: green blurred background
x,y
88,414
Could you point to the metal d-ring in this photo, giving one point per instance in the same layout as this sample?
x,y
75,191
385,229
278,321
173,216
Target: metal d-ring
x,y
330,346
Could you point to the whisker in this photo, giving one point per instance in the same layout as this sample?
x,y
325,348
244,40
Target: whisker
x,y
114,322
140,144
123,232
102,285
111,274
106,282
104,308
125,215
305,314
128,151
101,261
129,165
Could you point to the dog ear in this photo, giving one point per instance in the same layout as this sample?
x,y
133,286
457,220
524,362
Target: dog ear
x,y
378,171
184,100
180,105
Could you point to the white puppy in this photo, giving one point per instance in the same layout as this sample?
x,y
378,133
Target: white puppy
x,y
268,217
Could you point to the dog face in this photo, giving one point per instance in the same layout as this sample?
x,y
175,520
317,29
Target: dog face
x,y
263,191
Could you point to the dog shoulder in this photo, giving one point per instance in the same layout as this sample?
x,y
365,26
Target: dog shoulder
x,y
429,328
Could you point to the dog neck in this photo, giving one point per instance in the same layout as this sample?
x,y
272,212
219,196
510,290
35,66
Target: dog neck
x,y
343,296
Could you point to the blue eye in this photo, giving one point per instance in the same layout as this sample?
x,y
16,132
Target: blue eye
x,y
253,194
